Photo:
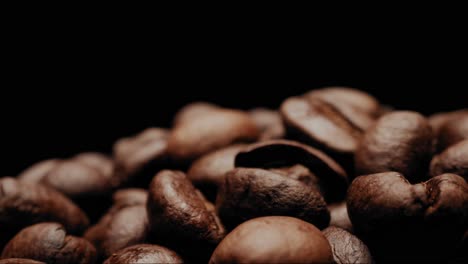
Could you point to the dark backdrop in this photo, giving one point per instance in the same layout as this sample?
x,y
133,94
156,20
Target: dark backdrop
x,y
60,101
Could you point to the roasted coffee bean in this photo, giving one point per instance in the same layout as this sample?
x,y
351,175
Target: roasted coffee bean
x,y
103,164
400,141
360,108
346,247
193,110
331,179
339,216
99,161
453,131
121,228
19,261
250,193
49,242
438,120
130,196
77,180
86,178
207,172
37,171
137,158
144,254
205,133
23,204
180,216
125,224
273,239
321,125
453,160
403,222
268,122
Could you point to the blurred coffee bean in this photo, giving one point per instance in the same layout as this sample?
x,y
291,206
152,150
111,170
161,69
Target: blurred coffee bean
x,y
193,110
339,216
205,133
19,261
37,171
438,120
268,122
453,131
207,172
453,160
138,158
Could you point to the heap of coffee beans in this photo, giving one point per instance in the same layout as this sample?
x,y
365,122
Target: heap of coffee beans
x,y
332,176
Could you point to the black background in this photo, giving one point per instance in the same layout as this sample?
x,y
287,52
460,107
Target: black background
x,y
61,98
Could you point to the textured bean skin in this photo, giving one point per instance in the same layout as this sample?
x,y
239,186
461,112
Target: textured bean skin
x,y
49,242
330,176
346,247
421,222
180,217
249,193
273,239
400,141
144,253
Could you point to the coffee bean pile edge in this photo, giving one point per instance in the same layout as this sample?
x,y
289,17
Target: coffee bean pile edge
x,y
332,176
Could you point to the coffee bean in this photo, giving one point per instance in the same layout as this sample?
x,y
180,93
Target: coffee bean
x,y
453,160
137,158
438,120
119,229
453,131
273,239
207,172
77,180
205,133
339,216
19,261
331,179
86,178
421,222
360,108
125,224
130,196
98,161
37,171
318,123
400,141
193,110
250,193
23,204
49,242
144,253
180,216
277,177
346,247
268,122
